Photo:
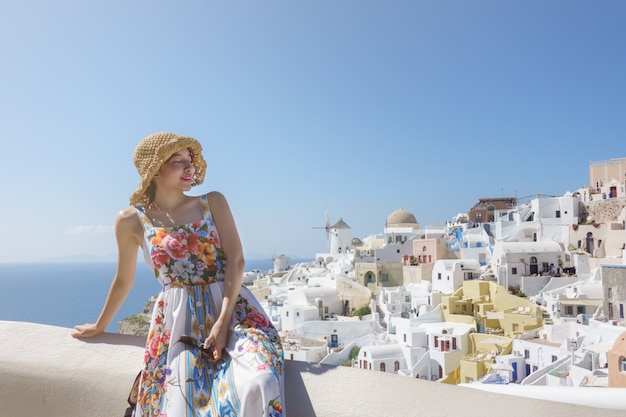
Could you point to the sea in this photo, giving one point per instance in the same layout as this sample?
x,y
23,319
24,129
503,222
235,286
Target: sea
x,y
67,294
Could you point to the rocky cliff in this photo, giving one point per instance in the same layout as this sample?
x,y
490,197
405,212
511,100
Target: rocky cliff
x,y
605,211
138,324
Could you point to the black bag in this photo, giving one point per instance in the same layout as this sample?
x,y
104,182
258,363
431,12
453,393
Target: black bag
x,y
132,397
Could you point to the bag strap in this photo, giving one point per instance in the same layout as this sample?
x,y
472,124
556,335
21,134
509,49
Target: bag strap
x,y
132,396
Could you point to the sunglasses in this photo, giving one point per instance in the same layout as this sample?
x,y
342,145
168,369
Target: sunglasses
x,y
190,341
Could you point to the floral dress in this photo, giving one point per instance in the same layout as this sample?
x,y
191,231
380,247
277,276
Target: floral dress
x,y
177,379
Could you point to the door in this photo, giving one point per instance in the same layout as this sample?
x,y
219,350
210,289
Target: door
x,y
534,267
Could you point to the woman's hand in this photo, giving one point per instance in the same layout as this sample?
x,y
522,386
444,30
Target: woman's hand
x,y
86,330
216,341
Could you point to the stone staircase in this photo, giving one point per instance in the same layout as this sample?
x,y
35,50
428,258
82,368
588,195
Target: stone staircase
x,y
547,319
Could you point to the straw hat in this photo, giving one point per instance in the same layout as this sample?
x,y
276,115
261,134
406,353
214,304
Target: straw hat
x,y
153,151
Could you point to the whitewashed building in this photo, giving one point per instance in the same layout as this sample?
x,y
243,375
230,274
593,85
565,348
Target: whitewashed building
x,y
425,347
304,304
513,260
449,274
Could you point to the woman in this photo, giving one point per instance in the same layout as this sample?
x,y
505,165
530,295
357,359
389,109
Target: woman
x,y
230,360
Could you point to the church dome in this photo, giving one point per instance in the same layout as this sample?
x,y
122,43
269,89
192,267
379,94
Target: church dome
x,y
402,218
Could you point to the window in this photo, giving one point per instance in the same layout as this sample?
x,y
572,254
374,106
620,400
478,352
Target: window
x,y
622,364
569,310
436,341
514,271
439,276
554,358
287,313
396,366
526,354
580,309
558,214
385,277
382,367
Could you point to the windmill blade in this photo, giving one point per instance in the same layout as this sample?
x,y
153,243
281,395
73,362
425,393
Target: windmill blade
x,y
327,224
326,227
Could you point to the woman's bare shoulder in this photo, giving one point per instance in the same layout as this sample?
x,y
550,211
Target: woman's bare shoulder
x,y
215,194
215,197
127,221
218,204
127,214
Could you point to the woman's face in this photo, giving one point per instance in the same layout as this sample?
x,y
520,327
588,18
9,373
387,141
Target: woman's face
x,y
177,172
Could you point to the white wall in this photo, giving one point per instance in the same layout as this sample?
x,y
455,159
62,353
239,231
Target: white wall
x,y
447,276
293,317
40,381
346,331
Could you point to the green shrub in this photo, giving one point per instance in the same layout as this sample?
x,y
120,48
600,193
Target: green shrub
x,y
362,311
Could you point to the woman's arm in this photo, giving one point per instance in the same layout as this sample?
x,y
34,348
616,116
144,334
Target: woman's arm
x,y
126,224
233,275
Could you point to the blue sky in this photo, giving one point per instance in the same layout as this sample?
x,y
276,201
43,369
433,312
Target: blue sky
x,y
357,108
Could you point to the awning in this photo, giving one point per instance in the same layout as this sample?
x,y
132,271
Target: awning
x,y
578,302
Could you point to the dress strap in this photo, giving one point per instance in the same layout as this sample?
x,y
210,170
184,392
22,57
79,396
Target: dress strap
x,y
205,208
144,219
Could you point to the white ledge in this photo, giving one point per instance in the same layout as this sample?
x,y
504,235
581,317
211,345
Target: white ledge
x,y
47,372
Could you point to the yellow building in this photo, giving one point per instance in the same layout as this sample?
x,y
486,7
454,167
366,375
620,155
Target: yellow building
x,y
497,316
492,309
480,362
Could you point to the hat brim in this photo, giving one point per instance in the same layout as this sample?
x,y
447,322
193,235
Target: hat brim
x,y
154,151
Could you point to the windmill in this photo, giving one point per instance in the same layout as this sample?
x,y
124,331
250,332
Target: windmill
x,y
273,258
326,227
